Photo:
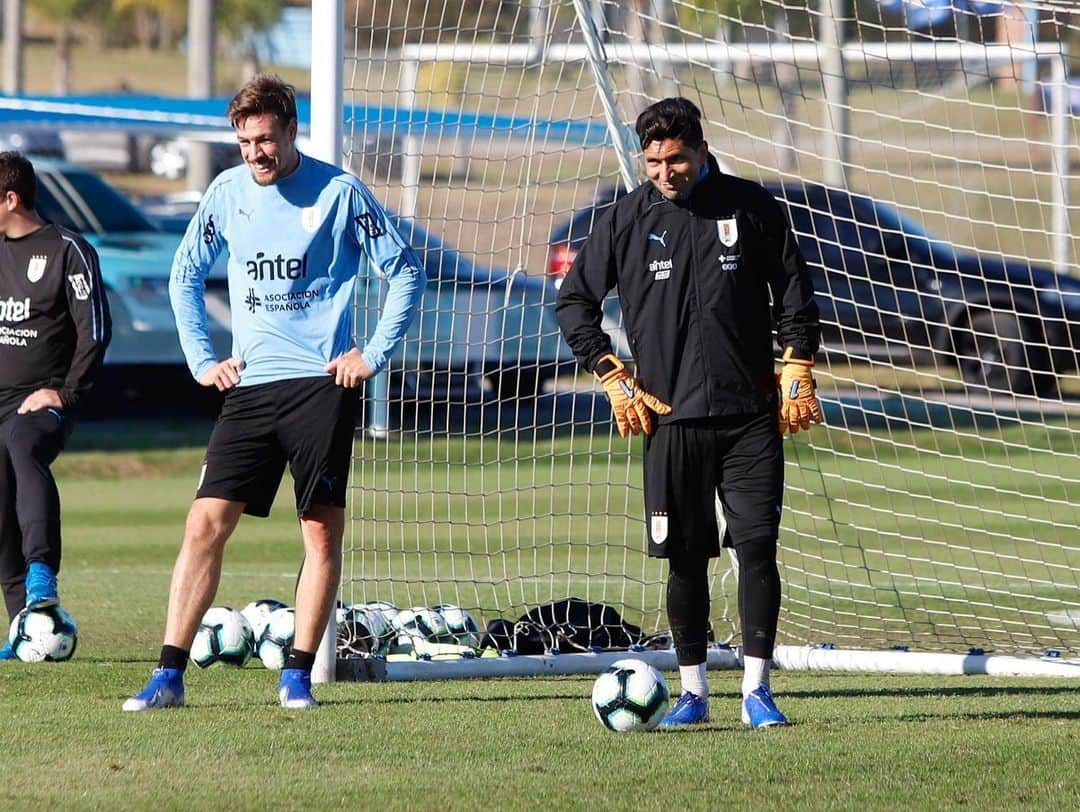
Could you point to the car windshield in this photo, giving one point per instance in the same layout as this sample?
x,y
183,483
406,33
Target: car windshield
x,y
112,212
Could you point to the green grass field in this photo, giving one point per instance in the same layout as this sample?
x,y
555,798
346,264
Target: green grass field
x,y
857,742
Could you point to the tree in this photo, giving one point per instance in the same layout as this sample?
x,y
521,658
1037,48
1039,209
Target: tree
x,y
240,19
155,23
66,18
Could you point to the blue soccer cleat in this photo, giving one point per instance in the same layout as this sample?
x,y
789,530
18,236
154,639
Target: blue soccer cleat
x,y
7,652
691,709
40,586
294,689
164,690
759,710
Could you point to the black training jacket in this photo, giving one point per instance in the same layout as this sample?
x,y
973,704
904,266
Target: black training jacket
x,y
54,316
695,279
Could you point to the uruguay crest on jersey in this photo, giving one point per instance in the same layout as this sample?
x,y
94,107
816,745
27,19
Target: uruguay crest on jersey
x,y
310,218
728,231
36,267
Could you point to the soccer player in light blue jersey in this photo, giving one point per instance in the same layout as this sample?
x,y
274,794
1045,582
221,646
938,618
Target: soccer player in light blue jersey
x,y
298,232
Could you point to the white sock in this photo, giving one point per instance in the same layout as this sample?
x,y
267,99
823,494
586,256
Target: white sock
x,y
693,680
755,673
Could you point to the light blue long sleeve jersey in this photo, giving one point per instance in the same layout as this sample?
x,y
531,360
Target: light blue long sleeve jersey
x,y
295,249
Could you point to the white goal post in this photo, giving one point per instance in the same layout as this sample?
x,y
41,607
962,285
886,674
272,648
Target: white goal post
x,y
933,523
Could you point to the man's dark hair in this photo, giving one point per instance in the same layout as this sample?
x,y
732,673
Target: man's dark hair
x,y
675,118
17,175
266,93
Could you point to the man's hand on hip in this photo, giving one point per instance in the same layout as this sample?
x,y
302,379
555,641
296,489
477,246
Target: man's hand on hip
x,y
41,399
350,369
630,403
799,406
224,374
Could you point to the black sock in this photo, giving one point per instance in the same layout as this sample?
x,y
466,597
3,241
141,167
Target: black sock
x,y
304,660
173,657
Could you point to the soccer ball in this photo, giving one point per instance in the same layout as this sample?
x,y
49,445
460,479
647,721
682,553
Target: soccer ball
x,y
224,638
421,623
630,695
258,612
276,638
460,625
388,610
362,630
47,634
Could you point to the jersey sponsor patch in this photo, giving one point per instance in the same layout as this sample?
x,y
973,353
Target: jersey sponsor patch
x,y
371,225
658,528
310,218
36,269
661,268
728,230
81,286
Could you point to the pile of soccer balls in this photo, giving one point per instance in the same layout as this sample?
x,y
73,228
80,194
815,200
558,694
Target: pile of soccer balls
x,y
265,629
48,634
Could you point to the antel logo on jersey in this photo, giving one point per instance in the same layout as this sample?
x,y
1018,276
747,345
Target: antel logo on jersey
x,y
264,269
660,268
14,309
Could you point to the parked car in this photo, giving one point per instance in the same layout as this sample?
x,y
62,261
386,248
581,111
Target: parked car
x,y
136,257
33,143
481,332
169,158
889,289
108,150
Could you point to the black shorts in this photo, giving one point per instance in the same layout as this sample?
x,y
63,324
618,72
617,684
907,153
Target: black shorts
x,y
689,464
307,423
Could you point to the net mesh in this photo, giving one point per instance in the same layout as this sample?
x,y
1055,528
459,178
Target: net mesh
x,y
938,506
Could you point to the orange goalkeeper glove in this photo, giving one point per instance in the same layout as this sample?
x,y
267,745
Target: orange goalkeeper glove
x,y
799,406
631,404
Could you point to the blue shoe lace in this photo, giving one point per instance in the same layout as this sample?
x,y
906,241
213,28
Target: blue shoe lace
x,y
164,690
294,689
759,710
691,709
40,586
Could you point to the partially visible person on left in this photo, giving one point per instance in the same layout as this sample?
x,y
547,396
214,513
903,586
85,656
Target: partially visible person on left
x,y
54,330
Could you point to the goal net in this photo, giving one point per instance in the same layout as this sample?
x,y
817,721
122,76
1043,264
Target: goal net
x,y
923,156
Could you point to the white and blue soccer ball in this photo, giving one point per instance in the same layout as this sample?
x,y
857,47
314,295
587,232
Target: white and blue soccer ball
x,y
630,695
224,638
46,634
460,625
363,631
258,612
419,623
276,639
388,610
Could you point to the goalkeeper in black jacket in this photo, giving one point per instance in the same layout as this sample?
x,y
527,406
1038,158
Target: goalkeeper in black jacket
x,y
696,256
54,328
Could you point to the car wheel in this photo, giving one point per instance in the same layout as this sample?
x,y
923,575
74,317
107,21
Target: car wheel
x,y
510,384
994,352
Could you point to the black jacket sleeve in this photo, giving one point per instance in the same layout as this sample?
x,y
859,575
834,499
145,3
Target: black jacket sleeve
x,y
88,306
578,308
795,312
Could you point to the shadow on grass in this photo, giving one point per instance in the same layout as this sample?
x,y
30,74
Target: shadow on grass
x,y
1066,689
144,434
